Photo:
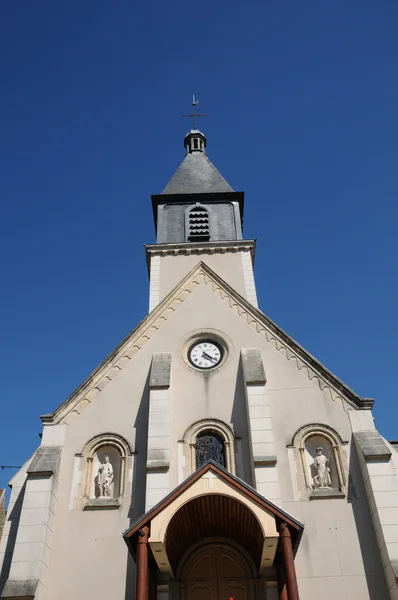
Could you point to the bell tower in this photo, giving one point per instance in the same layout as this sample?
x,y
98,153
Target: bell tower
x,y
199,217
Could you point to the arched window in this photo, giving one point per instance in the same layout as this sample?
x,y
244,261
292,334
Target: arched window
x,y
198,224
208,439
209,445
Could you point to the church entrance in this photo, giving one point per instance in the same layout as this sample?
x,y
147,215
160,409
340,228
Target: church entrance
x,y
215,538
216,572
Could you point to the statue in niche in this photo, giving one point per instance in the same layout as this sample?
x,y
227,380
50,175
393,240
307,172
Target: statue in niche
x,y
321,464
105,479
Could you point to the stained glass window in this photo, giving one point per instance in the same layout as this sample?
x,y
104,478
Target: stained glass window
x,y
209,445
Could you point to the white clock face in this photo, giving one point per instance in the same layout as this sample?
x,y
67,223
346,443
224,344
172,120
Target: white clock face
x,y
205,354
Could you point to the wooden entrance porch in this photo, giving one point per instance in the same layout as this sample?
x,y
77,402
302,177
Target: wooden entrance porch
x,y
215,537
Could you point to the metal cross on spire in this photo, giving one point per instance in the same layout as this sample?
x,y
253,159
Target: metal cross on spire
x,y
195,114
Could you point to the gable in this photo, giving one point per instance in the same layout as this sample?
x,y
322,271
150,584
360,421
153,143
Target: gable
x,y
208,488
202,275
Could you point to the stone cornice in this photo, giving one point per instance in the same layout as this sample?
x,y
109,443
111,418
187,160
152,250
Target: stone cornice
x,y
203,274
188,248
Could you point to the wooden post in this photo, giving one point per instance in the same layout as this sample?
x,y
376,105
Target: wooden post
x,y
288,560
152,591
281,577
142,563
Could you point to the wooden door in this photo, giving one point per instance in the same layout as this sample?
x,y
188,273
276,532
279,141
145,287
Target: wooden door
x,y
217,572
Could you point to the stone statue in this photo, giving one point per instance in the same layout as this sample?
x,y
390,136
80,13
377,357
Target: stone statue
x,y
105,478
321,463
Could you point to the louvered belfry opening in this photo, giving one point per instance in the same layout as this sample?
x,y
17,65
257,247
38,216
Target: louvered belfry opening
x,y
198,224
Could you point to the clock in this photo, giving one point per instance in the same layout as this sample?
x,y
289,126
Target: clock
x,y
205,354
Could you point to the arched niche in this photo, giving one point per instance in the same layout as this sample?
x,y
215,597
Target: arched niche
x,y
105,457
320,463
106,468
320,460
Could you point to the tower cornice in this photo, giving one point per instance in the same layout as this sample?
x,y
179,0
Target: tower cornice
x,y
188,248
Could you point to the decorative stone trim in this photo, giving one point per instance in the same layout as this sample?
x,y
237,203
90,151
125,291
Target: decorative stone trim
x,y
335,441
157,465
372,445
326,493
20,589
223,430
160,370
253,368
202,274
107,439
102,503
87,455
45,460
263,461
188,248
316,429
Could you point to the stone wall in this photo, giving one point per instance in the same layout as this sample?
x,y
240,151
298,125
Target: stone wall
x,y
2,509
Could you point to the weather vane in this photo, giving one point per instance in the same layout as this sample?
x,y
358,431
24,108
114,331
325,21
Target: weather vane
x,y
194,114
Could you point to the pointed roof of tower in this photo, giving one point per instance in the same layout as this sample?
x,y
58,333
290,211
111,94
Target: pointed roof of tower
x,y
196,174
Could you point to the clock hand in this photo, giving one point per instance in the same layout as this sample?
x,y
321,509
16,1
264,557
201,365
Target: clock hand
x,y
204,355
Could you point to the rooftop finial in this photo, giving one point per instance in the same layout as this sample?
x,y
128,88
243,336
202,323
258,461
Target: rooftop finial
x,y
194,114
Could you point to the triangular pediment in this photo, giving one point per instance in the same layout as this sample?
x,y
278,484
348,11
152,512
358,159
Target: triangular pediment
x,y
204,275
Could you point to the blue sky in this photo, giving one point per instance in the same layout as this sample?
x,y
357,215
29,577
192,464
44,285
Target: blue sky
x,y
303,103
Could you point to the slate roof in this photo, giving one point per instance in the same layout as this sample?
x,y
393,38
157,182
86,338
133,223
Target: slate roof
x,y
196,175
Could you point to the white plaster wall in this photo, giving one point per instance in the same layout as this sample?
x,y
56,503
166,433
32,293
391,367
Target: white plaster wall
x,y
294,401
250,285
227,265
89,557
154,286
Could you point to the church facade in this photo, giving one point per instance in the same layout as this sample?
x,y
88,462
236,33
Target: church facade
x,y
209,455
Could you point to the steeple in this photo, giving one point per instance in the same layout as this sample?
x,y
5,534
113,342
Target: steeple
x,y
198,217
196,174
197,204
